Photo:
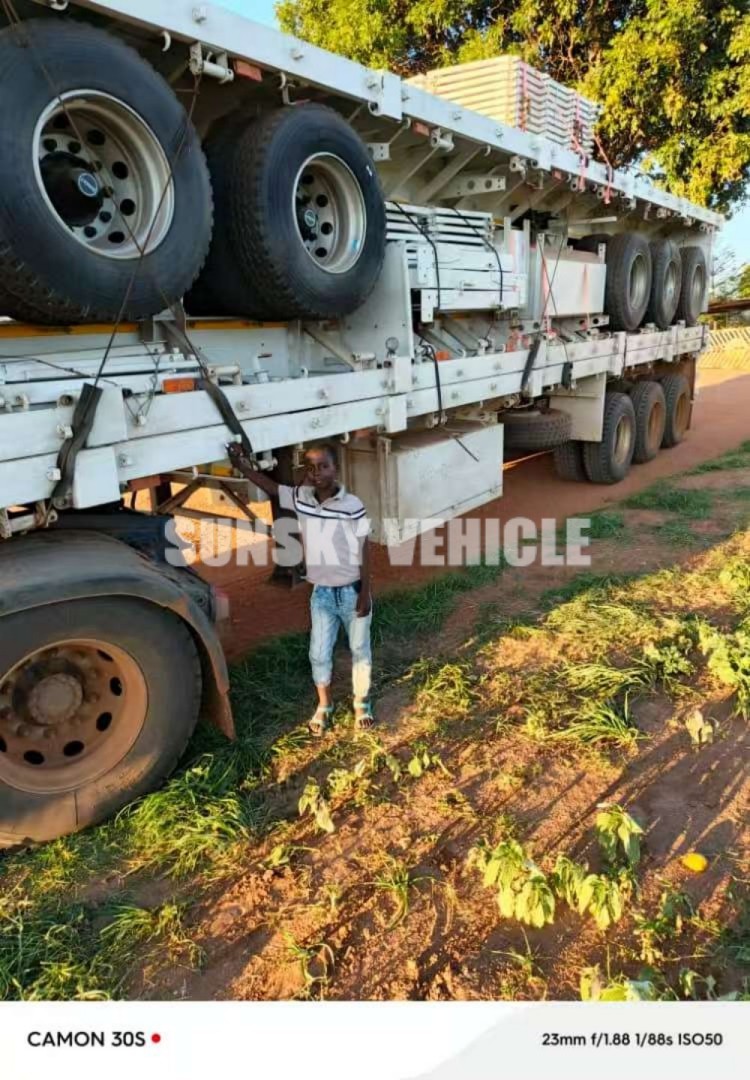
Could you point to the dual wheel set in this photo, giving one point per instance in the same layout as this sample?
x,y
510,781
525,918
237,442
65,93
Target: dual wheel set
x,y
650,281
638,422
111,207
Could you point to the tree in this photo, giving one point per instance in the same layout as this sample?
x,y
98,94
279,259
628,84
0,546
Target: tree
x,y
673,76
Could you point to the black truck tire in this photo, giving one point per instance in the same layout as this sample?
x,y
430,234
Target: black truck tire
x,y
650,419
694,285
609,461
105,198
99,698
678,407
568,460
628,286
220,288
535,429
308,213
666,283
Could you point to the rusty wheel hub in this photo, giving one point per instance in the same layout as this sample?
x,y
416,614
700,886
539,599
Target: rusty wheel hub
x,y
68,713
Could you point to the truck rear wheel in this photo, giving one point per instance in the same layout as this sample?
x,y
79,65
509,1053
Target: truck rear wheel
x,y
568,460
650,419
308,213
678,406
609,461
105,200
98,699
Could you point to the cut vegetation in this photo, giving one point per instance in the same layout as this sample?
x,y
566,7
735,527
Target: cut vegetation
x,y
552,752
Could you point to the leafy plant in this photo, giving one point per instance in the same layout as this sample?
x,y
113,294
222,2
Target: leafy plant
x,y
397,879
306,956
422,760
567,879
349,782
601,896
699,729
594,988
616,830
729,661
523,891
313,802
602,722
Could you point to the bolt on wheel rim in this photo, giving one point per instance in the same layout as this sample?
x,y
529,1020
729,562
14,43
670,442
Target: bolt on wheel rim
x,y
104,174
329,212
69,713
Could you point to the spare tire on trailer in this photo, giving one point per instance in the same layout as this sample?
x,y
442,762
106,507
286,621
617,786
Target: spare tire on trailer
x,y
220,289
308,213
535,429
105,199
694,284
666,283
628,287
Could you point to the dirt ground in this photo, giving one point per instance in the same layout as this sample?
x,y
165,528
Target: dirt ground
x,y
384,906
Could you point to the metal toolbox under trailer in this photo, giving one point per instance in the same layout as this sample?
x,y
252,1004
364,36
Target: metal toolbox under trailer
x,y
411,480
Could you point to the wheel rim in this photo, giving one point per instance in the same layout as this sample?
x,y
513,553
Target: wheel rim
x,y
69,713
697,289
329,212
682,413
639,281
103,174
656,421
623,441
670,285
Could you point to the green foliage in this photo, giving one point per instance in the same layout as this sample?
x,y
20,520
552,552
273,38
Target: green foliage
x,y
600,895
595,988
687,503
729,661
523,891
312,801
673,76
605,524
618,832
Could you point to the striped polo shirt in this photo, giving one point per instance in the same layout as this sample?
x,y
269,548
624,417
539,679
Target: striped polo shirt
x,y
333,533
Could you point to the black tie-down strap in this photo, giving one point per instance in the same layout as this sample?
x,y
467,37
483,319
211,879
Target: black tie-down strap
x,y
83,420
228,415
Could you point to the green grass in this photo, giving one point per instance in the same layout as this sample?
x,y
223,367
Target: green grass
x,y
734,459
689,504
676,532
606,524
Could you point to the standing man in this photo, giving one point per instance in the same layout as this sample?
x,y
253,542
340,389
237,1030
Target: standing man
x,y
334,527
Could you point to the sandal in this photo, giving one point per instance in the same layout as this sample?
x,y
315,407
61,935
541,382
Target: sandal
x,y
320,720
363,717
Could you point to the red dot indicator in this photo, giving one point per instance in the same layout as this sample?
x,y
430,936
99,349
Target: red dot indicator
x,y
155,1038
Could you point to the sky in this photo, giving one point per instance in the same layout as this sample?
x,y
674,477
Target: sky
x,y
735,236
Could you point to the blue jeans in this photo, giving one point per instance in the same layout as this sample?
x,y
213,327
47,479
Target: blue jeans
x,y
332,607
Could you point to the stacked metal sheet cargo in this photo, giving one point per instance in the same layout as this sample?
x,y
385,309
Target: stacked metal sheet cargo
x,y
511,91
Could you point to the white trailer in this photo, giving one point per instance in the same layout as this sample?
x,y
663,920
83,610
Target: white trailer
x,y
209,231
